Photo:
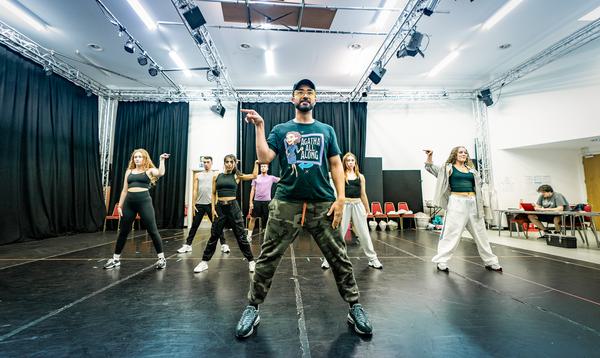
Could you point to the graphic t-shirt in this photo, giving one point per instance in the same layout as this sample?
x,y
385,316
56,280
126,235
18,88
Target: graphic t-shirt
x,y
262,187
304,150
556,200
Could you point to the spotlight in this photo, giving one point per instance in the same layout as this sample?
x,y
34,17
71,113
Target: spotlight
x,y
212,75
218,109
129,46
377,73
88,92
431,7
198,37
413,46
486,97
47,70
364,94
143,59
153,70
194,17
215,72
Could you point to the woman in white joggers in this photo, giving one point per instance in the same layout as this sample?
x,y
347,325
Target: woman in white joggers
x,y
458,191
356,208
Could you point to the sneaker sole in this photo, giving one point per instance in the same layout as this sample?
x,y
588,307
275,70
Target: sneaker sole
x,y
325,267
183,252
351,321
376,267
256,322
489,268
446,270
112,267
198,271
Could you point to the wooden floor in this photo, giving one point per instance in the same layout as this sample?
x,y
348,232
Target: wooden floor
x,y
56,301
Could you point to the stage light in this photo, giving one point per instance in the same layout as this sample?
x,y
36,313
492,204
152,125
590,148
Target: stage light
x,y
194,17
88,92
48,70
153,70
377,73
142,60
428,11
218,109
413,46
129,46
486,97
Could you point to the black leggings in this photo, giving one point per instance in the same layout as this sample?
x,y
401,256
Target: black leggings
x,y
261,210
228,213
138,202
202,209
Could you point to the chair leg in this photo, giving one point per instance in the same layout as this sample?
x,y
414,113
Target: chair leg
x,y
104,229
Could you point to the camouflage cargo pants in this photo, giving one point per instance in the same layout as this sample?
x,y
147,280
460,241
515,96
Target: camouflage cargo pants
x,y
282,228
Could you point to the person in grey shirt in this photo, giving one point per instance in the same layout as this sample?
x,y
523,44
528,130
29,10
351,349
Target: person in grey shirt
x,y
548,201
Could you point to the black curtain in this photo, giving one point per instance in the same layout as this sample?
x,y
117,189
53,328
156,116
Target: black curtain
x,y
50,147
337,114
158,127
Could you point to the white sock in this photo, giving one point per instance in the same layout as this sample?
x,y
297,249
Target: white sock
x,y
161,255
116,257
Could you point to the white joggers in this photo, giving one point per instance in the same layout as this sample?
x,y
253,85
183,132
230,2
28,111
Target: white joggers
x,y
461,214
356,212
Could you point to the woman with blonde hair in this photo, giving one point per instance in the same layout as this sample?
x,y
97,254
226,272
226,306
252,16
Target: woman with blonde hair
x,y
458,191
135,199
356,208
225,209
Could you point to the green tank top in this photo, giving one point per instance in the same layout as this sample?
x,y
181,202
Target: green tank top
x,y
462,182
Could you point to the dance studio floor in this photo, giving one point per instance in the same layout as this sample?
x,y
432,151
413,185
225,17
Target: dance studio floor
x,y
56,301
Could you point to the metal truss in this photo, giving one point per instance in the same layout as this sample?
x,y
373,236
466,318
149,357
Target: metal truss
x,y
106,117
586,34
303,5
207,47
122,29
25,46
482,140
404,25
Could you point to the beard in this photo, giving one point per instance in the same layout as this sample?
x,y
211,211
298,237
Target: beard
x,y
302,107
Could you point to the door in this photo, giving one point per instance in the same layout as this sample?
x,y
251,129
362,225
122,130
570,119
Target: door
x,y
591,167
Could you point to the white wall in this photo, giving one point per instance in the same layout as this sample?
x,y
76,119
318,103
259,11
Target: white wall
x,y
209,134
558,102
398,133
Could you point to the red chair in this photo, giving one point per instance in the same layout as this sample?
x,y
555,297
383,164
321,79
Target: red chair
x,y
113,216
376,208
582,223
520,221
403,205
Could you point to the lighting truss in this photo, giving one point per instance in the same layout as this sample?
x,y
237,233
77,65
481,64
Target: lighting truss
x,y
482,140
113,20
586,34
398,36
208,49
25,46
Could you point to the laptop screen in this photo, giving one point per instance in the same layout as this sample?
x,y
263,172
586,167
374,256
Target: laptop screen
x,y
528,206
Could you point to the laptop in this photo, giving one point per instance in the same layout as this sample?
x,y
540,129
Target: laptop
x,y
528,206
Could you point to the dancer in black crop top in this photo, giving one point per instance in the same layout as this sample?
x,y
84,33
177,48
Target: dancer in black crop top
x,y
356,208
226,209
135,198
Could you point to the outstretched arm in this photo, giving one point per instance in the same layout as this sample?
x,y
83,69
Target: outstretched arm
x,y
254,174
429,166
263,152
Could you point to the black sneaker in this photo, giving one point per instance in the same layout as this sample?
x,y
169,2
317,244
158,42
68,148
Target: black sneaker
x,y
359,318
248,321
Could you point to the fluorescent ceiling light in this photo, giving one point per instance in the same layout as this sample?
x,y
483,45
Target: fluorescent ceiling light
x,y
24,14
175,57
443,63
143,14
501,13
592,15
270,62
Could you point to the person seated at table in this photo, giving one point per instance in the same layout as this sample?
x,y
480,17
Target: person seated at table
x,y
548,201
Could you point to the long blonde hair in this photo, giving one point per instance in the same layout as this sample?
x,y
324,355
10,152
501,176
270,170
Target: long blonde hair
x,y
454,154
146,164
356,170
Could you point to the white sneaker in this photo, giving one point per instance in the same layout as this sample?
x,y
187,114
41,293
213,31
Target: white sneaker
x,y
251,266
325,265
161,263
375,264
442,267
112,263
185,248
225,249
202,266
249,236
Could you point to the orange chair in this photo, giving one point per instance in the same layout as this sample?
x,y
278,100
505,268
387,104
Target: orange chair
x,y
403,205
114,216
375,208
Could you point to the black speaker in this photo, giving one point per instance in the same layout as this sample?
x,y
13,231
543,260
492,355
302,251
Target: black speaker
x,y
194,17
377,74
486,97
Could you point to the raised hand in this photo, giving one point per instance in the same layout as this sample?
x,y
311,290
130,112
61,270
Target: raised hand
x,y
165,156
253,117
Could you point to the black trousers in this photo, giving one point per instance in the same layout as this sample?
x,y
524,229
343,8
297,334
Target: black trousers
x,y
201,210
261,210
228,213
138,202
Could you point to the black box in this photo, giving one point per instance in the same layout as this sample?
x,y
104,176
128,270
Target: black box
x,y
566,241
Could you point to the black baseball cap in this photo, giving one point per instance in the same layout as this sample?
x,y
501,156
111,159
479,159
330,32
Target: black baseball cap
x,y
304,82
